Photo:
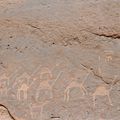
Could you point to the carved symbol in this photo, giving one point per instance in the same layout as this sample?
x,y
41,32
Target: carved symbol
x,y
103,91
75,84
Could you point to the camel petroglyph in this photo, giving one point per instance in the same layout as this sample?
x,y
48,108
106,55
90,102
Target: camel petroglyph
x,y
103,91
37,109
108,55
75,84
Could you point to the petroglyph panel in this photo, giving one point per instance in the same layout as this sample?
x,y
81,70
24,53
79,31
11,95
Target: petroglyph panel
x,y
59,60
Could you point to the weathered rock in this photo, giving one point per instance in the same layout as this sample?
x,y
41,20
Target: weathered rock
x,y
5,113
60,60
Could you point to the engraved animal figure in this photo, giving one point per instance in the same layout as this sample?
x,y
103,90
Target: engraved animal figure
x,y
37,109
45,85
108,56
23,89
75,84
103,91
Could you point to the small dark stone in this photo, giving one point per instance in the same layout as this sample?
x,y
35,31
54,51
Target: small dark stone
x,y
1,62
11,36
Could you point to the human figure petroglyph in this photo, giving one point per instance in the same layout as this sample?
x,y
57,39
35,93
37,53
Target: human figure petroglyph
x,y
37,109
103,91
75,84
45,85
20,79
23,89
46,71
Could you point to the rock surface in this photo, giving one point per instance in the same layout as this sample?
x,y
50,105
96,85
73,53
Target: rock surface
x,y
59,59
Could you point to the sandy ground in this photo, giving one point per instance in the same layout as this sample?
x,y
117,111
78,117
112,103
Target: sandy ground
x,y
59,59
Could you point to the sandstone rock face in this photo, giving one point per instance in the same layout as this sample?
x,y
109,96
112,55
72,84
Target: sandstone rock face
x,y
59,59
5,114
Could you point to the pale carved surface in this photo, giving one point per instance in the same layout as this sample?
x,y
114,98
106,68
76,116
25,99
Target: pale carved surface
x,y
59,60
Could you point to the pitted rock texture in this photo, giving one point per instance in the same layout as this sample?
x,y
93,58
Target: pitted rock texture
x,y
60,60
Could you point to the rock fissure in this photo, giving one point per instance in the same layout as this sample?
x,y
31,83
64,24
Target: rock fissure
x,y
35,27
108,35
